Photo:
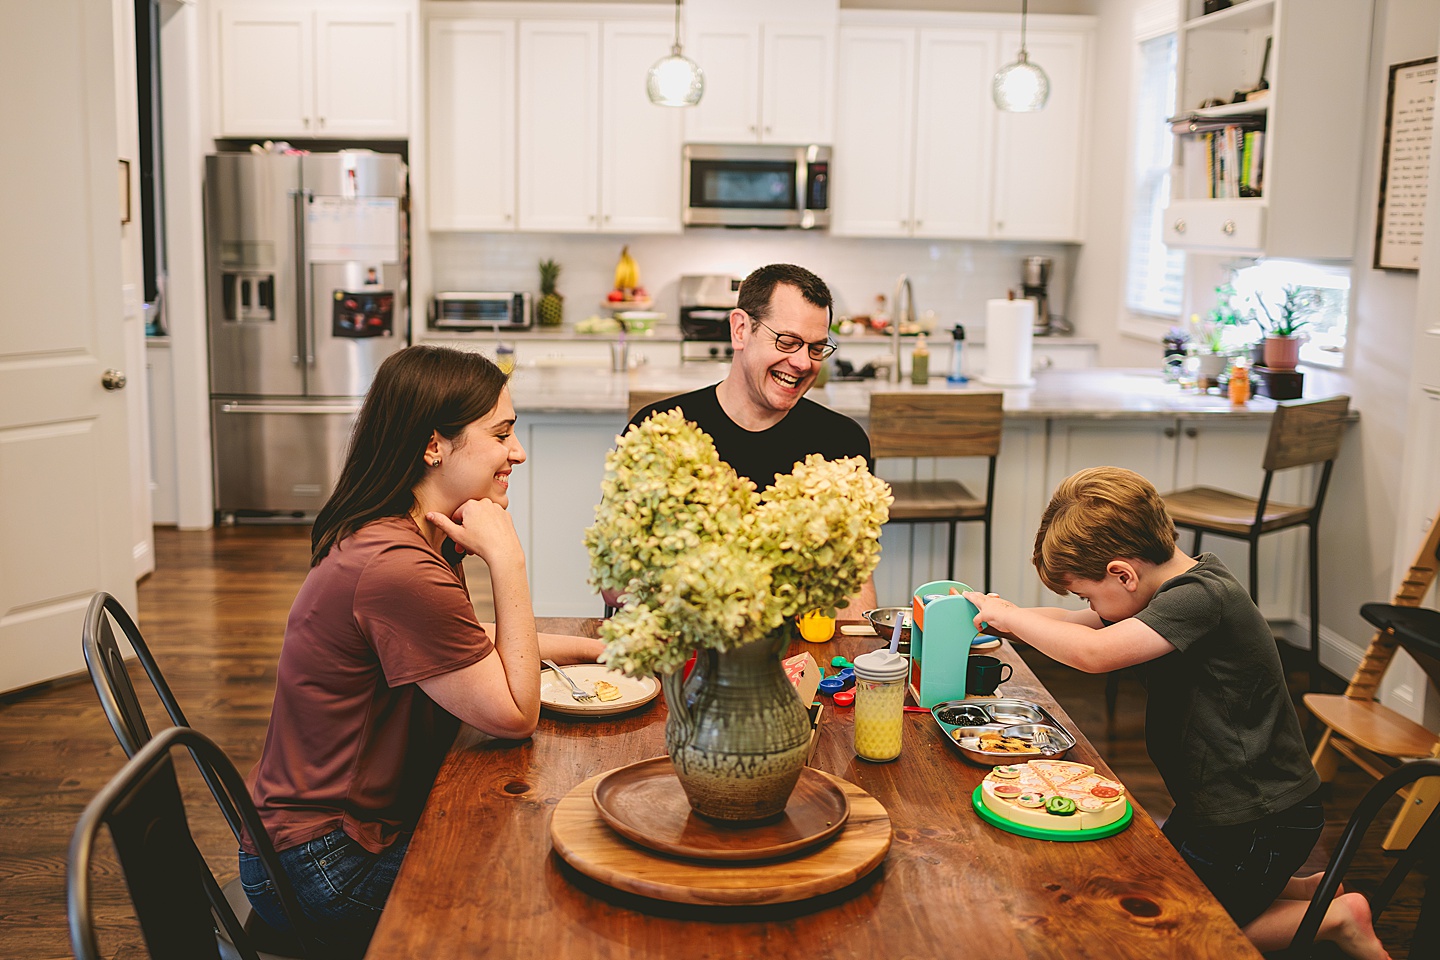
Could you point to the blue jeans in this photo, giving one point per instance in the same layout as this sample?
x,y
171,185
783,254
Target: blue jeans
x,y
1248,864
342,887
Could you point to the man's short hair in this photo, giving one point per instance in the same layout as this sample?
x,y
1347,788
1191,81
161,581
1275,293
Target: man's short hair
x,y
1098,515
757,289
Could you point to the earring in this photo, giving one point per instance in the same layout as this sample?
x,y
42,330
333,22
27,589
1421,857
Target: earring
x,y
435,462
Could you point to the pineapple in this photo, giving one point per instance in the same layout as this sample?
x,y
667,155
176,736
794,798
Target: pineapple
x,y
550,311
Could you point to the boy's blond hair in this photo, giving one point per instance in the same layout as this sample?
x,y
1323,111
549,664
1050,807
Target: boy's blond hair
x,y
1098,515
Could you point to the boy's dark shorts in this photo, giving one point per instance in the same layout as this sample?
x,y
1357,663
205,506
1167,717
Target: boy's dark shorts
x,y
1247,865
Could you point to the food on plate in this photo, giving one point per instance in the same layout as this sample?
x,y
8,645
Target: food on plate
x,y
1053,795
992,741
606,690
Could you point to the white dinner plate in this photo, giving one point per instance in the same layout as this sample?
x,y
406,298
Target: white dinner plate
x,y
634,691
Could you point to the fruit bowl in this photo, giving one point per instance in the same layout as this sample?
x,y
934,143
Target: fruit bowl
x,y
642,304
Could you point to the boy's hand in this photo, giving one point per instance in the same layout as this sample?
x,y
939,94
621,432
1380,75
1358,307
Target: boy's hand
x,y
995,613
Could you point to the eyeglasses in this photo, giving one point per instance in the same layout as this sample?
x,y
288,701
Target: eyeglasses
x,y
789,343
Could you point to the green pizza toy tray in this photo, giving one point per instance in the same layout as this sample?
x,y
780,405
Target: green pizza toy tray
x,y
1040,833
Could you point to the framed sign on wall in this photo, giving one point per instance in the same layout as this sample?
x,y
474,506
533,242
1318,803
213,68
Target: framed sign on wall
x,y
1405,165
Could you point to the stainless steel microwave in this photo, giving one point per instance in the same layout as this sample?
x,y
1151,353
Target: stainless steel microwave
x,y
757,185
480,311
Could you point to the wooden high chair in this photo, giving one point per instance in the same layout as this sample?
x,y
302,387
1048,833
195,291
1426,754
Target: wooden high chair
x,y
643,398
1370,734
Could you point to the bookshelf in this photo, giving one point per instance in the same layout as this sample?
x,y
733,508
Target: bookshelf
x,y
1276,174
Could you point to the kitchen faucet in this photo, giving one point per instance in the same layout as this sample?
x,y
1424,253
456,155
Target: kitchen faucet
x,y
897,317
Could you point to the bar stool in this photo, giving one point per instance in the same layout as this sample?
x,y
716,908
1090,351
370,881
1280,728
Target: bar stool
x,y
1302,433
949,424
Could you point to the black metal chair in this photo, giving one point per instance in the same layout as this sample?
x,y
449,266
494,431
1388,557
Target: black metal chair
x,y
175,896
122,708
1426,939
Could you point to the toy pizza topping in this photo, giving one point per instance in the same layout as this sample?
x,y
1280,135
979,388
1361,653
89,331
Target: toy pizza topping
x,y
1107,790
606,690
1060,806
1029,799
1090,804
1007,791
1007,771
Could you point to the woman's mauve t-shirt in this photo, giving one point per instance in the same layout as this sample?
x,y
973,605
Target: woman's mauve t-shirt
x,y
353,741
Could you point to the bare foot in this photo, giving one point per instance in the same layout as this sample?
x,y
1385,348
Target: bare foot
x,y
1347,924
1303,888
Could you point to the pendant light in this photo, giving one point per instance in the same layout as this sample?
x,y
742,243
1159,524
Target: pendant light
x,y
1021,87
676,80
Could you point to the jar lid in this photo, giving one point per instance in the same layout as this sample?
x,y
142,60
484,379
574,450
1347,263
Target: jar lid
x,y
882,665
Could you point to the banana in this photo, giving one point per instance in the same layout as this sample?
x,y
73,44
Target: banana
x,y
627,272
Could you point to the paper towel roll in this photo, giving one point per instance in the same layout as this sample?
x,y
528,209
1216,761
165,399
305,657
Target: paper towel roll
x,y
1009,328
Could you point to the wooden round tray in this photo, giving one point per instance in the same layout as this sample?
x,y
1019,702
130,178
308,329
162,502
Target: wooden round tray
x,y
583,839
645,803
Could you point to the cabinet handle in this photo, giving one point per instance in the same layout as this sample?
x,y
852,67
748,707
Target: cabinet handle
x,y
919,224
752,128
592,218
1228,228
767,129
1170,432
1179,226
999,224
507,218
306,122
607,218
322,123
1192,432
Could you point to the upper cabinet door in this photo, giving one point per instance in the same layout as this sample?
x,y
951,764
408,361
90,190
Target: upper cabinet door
x,y
559,108
955,131
797,83
472,124
362,63
266,71
729,110
1039,160
640,144
871,185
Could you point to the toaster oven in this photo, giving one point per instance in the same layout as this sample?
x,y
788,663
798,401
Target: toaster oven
x,y
463,311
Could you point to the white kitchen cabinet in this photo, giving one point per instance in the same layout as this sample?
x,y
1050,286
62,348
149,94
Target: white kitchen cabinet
x,y
593,153
922,151
1310,119
312,70
765,82
471,78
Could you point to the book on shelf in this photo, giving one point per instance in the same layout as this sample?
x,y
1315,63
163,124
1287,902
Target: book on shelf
x,y
1223,164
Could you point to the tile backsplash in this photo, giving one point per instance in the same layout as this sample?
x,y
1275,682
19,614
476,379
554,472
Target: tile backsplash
x,y
951,277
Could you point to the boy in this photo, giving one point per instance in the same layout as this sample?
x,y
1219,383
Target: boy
x,y
1219,723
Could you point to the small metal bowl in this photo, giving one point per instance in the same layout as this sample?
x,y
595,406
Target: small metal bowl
x,y
1049,741
883,620
963,715
1014,711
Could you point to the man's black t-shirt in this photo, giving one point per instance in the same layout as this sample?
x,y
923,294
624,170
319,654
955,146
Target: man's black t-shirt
x,y
765,454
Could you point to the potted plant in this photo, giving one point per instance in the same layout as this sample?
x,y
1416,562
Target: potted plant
x,y
1207,345
1282,326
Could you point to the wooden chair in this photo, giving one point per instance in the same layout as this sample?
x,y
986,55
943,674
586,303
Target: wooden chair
x,y
643,398
1366,732
1302,433
948,424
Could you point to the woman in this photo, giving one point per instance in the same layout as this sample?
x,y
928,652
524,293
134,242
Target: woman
x,y
383,657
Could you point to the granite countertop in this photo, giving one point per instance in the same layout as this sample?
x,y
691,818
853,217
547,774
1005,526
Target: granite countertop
x,y
1096,393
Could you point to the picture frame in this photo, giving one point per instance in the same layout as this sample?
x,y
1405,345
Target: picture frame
x,y
1405,164
124,192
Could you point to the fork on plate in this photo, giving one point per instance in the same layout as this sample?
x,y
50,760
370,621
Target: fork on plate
x,y
575,692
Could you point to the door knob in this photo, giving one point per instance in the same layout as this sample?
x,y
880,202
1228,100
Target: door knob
x,y
1179,226
1228,228
113,380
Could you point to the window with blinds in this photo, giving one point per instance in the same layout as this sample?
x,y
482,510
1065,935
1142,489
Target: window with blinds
x,y
1154,272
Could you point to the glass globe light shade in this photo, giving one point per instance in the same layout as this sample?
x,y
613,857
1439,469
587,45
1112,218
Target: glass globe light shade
x,y
675,81
1020,87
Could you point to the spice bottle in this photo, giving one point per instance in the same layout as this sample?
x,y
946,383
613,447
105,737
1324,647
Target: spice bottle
x,y
1239,382
958,339
920,362
880,704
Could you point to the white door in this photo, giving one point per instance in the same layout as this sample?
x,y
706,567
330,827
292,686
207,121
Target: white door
x,y
875,133
559,109
729,109
362,73
1039,156
64,474
640,143
954,133
797,80
471,67
266,71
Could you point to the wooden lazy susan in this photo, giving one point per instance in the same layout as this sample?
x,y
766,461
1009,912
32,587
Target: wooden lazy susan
x,y
831,834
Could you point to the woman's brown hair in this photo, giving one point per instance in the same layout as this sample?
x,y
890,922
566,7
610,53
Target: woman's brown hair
x,y
417,392
1098,515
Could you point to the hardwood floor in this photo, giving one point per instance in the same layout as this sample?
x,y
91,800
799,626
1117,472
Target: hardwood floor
x,y
214,614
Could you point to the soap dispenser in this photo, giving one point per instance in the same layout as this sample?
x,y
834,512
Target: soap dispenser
x,y
956,375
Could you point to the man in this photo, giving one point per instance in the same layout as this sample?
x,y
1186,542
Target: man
x,y
758,416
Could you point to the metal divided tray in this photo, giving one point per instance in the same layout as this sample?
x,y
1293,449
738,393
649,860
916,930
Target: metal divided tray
x,y
963,722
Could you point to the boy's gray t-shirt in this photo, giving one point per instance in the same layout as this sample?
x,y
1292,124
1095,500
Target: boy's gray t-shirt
x,y
1219,723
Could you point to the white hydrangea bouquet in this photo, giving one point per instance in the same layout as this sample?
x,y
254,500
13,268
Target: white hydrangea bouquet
x,y
703,561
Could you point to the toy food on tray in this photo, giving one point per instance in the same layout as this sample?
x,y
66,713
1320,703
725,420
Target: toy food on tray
x,y
1053,795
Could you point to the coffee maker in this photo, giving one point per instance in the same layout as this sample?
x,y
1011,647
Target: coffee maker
x,y
1035,285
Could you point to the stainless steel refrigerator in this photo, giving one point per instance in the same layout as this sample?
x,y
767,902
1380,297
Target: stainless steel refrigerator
x,y
307,294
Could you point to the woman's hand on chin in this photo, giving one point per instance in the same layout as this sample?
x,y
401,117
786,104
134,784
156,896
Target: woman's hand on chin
x,y
484,528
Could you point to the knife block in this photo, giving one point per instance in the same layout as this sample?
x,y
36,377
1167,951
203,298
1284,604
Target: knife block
x,y
941,632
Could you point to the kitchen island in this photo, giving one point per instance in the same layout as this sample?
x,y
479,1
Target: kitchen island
x,y
570,416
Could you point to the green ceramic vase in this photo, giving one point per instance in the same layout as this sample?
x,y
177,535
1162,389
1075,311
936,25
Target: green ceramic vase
x,y
736,732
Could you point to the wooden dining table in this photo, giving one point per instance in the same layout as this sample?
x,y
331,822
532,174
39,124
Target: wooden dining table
x,y
481,879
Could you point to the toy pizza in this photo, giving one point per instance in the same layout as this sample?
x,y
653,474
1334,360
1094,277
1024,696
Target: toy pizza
x,y
1053,799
